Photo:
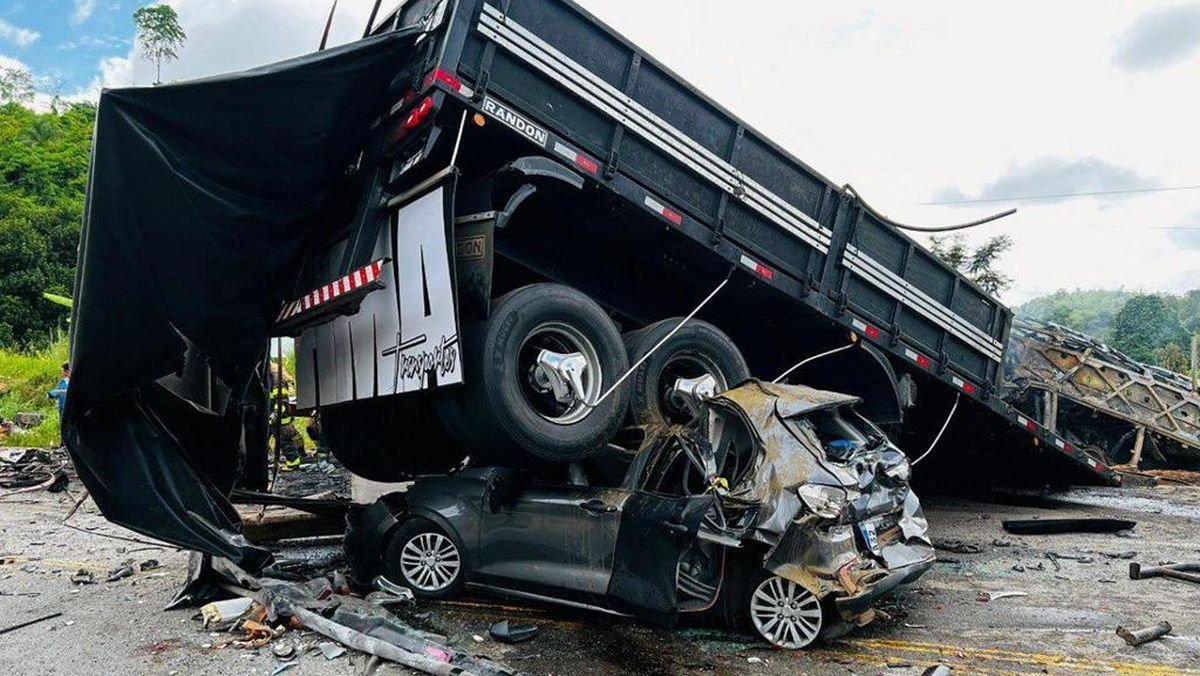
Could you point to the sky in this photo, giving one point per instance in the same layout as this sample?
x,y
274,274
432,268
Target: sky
x,y
937,112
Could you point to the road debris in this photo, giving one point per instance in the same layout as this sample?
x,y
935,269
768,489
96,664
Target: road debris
x,y
224,614
506,632
30,622
1187,572
987,596
331,650
83,577
957,546
1063,526
120,572
1137,637
148,564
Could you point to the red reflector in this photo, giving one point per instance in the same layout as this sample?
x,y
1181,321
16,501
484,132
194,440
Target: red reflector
x,y
672,216
969,388
586,164
872,333
1031,426
764,272
923,361
1100,467
445,77
1068,447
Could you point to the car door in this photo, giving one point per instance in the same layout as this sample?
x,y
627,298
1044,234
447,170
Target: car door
x,y
654,532
552,539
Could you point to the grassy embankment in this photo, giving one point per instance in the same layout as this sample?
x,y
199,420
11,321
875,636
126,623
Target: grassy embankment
x,y
25,378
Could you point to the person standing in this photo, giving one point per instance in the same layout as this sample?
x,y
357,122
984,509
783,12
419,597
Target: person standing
x,y
60,390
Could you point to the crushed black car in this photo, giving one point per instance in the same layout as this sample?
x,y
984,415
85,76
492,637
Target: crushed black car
x,y
780,509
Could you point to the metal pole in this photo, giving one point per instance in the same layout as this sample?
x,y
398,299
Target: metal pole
x,y
1195,354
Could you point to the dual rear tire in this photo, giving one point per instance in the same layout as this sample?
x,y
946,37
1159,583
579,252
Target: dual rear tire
x,y
540,370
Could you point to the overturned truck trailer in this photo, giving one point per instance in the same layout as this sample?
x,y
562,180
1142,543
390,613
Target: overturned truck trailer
x,y
1131,413
486,224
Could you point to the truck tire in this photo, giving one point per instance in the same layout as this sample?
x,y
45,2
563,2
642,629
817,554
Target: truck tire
x,y
698,349
508,410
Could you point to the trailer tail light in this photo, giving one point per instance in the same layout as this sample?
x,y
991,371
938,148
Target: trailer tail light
x,y
418,114
445,77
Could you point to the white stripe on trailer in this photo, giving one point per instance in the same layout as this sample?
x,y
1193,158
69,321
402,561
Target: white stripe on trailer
x,y
899,288
919,359
515,38
963,385
564,151
758,268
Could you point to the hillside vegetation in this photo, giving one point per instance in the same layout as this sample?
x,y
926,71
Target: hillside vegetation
x,y
25,378
1153,328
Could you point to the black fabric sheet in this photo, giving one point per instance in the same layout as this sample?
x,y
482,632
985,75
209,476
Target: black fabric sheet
x,y
203,197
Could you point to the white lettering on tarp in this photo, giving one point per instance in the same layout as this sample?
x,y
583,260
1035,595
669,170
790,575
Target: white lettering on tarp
x,y
516,121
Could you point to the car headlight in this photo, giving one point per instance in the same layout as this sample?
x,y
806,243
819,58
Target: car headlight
x,y
826,502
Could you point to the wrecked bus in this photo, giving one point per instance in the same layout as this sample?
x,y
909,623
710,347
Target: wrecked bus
x,y
501,235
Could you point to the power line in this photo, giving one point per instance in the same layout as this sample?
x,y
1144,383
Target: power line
x,y
1027,198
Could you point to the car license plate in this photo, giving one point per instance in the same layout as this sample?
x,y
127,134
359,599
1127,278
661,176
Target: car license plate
x,y
870,534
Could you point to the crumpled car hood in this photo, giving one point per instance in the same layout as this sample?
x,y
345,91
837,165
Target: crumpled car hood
x,y
822,553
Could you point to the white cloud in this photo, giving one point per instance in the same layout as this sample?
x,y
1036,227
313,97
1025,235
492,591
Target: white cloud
x,y
1159,38
82,12
21,37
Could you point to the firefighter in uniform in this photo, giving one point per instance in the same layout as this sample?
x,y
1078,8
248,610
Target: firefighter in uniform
x,y
291,445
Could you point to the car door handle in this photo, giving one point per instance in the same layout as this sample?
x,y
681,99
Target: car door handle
x,y
597,507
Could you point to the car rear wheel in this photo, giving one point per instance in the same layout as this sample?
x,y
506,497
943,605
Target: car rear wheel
x,y
784,613
535,370
699,359
424,558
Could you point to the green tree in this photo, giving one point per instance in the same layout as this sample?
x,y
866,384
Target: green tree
x,y
159,35
43,176
979,265
16,85
1172,356
1144,326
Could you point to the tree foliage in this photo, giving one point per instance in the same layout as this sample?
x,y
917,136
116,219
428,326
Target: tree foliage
x,y
1144,326
979,265
43,176
1090,311
16,85
159,35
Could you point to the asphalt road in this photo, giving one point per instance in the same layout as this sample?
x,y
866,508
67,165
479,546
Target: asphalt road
x,y
1064,623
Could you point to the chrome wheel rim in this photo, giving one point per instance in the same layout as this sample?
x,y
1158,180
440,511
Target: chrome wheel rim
x,y
430,562
785,613
685,366
563,340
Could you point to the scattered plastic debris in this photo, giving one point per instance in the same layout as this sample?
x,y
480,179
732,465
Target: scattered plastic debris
x,y
1063,526
986,596
506,632
331,650
83,577
224,614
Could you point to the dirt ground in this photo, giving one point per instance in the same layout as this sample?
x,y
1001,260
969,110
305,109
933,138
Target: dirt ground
x,y
1076,591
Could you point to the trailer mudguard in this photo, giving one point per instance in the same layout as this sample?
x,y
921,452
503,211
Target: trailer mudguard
x,y
203,197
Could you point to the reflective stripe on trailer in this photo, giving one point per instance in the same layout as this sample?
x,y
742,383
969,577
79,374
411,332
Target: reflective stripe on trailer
x,y
963,385
918,359
1027,423
1064,445
866,329
757,268
662,210
577,158
351,282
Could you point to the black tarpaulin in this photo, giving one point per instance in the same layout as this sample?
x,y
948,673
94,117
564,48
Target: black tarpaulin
x,y
202,198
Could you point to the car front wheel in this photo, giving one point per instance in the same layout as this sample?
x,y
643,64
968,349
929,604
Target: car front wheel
x,y
784,613
422,557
